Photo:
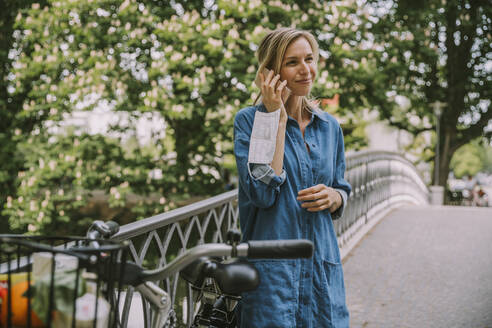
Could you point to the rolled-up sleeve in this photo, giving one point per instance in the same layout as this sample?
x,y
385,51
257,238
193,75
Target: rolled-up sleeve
x,y
259,181
266,174
340,184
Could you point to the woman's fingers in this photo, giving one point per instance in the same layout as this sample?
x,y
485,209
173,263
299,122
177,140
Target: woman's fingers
x,y
281,86
271,90
309,192
273,82
308,197
320,201
333,207
317,209
268,78
318,198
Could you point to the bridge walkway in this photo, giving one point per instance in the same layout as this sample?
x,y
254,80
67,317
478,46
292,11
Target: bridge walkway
x,y
423,267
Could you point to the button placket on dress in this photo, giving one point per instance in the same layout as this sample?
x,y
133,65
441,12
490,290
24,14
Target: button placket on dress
x,y
306,286
310,216
314,154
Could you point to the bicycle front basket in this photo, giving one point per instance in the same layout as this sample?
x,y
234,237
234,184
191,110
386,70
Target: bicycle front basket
x,y
56,282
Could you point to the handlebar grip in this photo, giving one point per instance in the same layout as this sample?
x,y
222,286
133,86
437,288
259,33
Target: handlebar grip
x,y
112,227
280,249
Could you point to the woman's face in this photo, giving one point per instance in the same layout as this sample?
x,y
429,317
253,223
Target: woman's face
x,y
299,67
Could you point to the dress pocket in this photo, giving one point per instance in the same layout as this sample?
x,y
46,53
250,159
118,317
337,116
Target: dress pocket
x,y
335,290
274,302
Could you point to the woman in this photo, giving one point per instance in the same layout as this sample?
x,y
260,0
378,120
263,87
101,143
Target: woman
x,y
296,195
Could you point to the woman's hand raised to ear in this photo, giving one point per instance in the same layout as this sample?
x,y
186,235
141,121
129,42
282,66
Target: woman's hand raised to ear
x,y
271,90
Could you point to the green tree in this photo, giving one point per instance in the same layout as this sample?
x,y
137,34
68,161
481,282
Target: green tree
x,y
472,158
434,51
488,159
467,160
73,180
9,106
191,64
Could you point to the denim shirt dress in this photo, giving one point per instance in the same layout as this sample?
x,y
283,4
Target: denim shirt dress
x,y
300,292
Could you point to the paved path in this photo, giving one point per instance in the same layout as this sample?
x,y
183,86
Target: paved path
x,y
423,267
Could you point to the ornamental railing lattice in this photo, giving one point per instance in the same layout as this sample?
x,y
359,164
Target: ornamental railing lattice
x,y
155,241
380,180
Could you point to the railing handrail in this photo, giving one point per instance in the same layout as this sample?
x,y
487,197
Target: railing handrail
x,y
384,155
146,225
379,153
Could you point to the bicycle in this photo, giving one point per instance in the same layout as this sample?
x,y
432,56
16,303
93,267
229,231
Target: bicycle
x,y
213,270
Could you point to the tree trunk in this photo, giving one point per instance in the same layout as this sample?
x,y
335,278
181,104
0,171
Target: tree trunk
x,y
445,154
449,143
444,162
183,146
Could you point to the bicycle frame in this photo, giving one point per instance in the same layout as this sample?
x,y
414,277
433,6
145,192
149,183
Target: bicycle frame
x,y
159,300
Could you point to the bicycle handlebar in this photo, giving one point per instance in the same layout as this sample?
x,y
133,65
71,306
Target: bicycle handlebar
x,y
280,249
253,249
101,229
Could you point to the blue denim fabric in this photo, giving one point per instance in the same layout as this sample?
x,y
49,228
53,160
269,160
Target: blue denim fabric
x,y
265,173
293,293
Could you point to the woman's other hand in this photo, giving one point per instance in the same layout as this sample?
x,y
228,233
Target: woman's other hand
x,y
271,90
320,197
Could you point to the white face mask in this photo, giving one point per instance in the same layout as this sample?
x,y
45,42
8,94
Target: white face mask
x,y
263,137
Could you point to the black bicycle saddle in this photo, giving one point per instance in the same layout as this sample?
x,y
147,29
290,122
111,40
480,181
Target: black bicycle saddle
x,y
233,278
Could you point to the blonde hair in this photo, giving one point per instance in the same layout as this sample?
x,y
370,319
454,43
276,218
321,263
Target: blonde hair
x,y
272,50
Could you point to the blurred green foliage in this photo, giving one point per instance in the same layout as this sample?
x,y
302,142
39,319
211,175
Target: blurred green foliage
x,y
472,158
189,63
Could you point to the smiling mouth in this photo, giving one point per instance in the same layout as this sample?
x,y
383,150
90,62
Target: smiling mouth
x,y
306,81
